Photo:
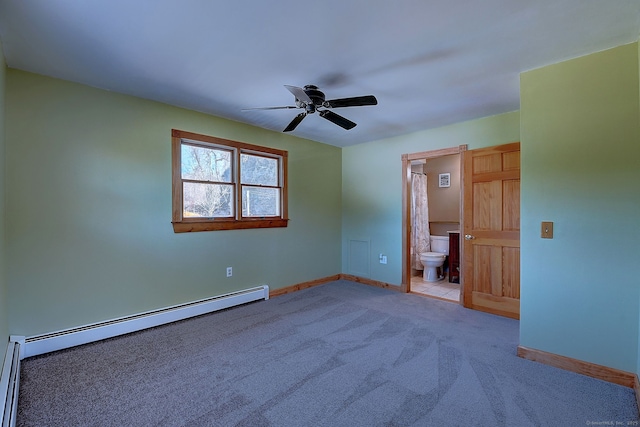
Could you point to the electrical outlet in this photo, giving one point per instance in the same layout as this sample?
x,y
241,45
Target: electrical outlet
x,y
229,271
383,259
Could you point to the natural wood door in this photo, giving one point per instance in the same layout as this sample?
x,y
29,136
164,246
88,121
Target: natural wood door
x,y
491,234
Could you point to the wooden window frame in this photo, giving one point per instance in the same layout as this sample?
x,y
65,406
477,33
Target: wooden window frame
x,y
183,224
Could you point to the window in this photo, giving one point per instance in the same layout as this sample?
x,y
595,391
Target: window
x,y
225,185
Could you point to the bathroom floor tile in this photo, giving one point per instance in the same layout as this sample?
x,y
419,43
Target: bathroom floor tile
x,y
442,289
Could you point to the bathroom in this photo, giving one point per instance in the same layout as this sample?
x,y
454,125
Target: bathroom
x,y
437,222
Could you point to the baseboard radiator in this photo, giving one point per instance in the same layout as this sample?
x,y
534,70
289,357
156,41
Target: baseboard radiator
x,y
10,382
45,343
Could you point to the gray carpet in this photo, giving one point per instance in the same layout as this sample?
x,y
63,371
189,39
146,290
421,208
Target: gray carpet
x,y
340,354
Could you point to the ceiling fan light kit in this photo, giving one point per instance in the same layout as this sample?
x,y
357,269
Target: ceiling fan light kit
x,y
311,99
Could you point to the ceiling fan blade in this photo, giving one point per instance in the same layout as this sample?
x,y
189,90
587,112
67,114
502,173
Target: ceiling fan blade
x,y
299,93
356,101
337,119
295,122
269,108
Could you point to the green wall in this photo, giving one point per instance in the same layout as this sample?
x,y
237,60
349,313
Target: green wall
x,y
372,190
89,233
4,320
580,126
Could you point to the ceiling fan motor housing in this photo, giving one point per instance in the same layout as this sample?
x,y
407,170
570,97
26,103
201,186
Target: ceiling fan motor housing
x,y
315,94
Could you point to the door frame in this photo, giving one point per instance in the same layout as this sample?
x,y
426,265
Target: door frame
x,y
406,208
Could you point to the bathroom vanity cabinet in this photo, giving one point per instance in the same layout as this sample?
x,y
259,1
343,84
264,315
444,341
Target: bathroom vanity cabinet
x,y
454,256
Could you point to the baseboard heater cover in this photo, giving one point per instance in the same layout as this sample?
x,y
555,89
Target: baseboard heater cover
x,y
10,382
46,343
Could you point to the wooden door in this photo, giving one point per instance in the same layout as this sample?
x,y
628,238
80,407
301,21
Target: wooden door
x,y
491,234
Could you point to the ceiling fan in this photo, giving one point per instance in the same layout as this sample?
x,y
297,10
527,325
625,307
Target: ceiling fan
x,y
311,99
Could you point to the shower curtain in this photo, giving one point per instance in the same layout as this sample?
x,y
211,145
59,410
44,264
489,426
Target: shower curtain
x,y
419,219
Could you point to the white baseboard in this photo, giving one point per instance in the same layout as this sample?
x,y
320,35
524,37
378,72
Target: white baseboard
x,y
45,343
10,382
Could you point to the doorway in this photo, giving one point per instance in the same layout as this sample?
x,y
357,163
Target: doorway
x,y
489,252
448,284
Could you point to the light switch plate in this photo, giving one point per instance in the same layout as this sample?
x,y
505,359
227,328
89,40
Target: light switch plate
x,y
546,231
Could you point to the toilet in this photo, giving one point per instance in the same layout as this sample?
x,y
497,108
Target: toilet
x,y
432,261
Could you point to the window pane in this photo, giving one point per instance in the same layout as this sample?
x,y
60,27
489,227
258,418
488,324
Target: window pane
x,y
260,201
207,200
258,170
206,164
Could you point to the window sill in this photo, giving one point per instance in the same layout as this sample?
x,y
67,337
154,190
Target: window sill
x,y
190,226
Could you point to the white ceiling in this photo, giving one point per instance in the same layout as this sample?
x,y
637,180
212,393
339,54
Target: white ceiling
x,y
429,62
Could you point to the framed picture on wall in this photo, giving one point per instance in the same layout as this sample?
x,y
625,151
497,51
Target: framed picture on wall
x,y
444,180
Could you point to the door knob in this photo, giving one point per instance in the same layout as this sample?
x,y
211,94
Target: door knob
x,y
469,237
